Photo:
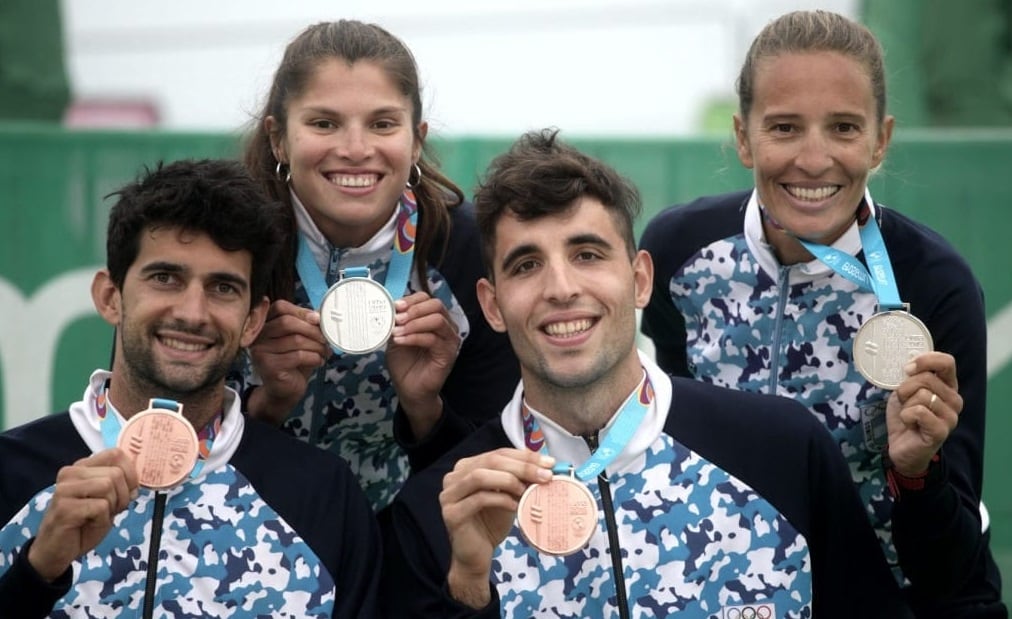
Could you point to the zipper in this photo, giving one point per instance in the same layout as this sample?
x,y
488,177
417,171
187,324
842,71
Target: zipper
x,y
156,541
783,283
611,527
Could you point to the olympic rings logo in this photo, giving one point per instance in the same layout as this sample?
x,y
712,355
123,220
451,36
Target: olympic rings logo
x,y
758,611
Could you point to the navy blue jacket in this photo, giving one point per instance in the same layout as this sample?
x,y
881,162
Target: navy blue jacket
x,y
725,311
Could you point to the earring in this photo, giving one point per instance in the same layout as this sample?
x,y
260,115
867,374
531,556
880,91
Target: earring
x,y
418,177
283,172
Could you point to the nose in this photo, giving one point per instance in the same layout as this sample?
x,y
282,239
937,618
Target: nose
x,y
353,143
191,305
560,283
814,155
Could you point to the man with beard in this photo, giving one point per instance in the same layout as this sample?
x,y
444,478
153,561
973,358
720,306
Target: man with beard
x,y
154,495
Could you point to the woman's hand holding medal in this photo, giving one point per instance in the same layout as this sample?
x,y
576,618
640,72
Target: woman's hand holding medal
x,y
479,503
922,412
286,353
420,356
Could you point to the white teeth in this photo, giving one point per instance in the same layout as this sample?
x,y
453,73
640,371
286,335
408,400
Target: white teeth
x,y
812,195
354,180
180,345
565,329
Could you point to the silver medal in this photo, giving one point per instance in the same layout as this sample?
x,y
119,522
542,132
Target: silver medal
x,y
357,315
885,343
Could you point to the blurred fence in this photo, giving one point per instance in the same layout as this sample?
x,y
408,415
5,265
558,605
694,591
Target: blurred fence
x,y
53,215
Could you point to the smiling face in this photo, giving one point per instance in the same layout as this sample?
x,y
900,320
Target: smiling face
x,y
566,291
182,315
811,138
350,145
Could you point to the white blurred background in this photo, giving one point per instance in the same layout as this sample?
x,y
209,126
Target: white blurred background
x,y
630,68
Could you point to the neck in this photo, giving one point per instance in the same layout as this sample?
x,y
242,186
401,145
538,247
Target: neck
x,y
583,410
786,247
198,408
345,236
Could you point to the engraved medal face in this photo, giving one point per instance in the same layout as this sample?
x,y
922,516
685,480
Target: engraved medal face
x,y
357,315
558,517
163,445
885,343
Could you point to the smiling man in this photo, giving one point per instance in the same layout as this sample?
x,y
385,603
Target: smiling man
x,y
153,495
607,488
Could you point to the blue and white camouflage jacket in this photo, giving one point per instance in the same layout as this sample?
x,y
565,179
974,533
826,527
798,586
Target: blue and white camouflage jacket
x,y
269,527
726,312
706,513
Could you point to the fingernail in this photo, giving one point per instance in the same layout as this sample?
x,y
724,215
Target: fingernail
x,y
544,474
547,461
910,368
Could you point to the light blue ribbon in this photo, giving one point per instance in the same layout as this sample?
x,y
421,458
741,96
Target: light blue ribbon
x,y
614,441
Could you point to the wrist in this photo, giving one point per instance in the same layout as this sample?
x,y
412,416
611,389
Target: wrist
x,y
900,481
422,415
467,587
43,568
260,404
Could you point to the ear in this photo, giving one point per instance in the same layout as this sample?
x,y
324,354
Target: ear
x,y
489,307
643,277
273,129
741,142
420,135
107,298
254,322
885,135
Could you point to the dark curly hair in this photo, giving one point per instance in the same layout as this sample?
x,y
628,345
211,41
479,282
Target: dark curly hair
x,y
213,196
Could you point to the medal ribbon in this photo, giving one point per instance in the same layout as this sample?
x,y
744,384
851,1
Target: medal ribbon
x,y
878,278
398,272
110,426
629,418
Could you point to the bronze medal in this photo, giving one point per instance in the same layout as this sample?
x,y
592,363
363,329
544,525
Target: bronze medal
x,y
163,445
357,315
558,517
885,343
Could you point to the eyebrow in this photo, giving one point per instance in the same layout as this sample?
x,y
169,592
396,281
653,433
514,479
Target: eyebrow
x,y
791,116
327,111
217,276
587,238
515,254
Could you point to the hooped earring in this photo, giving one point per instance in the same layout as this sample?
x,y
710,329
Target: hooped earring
x,y
283,172
418,177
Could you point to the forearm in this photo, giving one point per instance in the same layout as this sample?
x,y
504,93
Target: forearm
x,y
422,415
937,535
24,594
443,436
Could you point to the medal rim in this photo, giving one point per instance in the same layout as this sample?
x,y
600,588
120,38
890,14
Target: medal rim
x,y
332,293
191,434
590,530
917,322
